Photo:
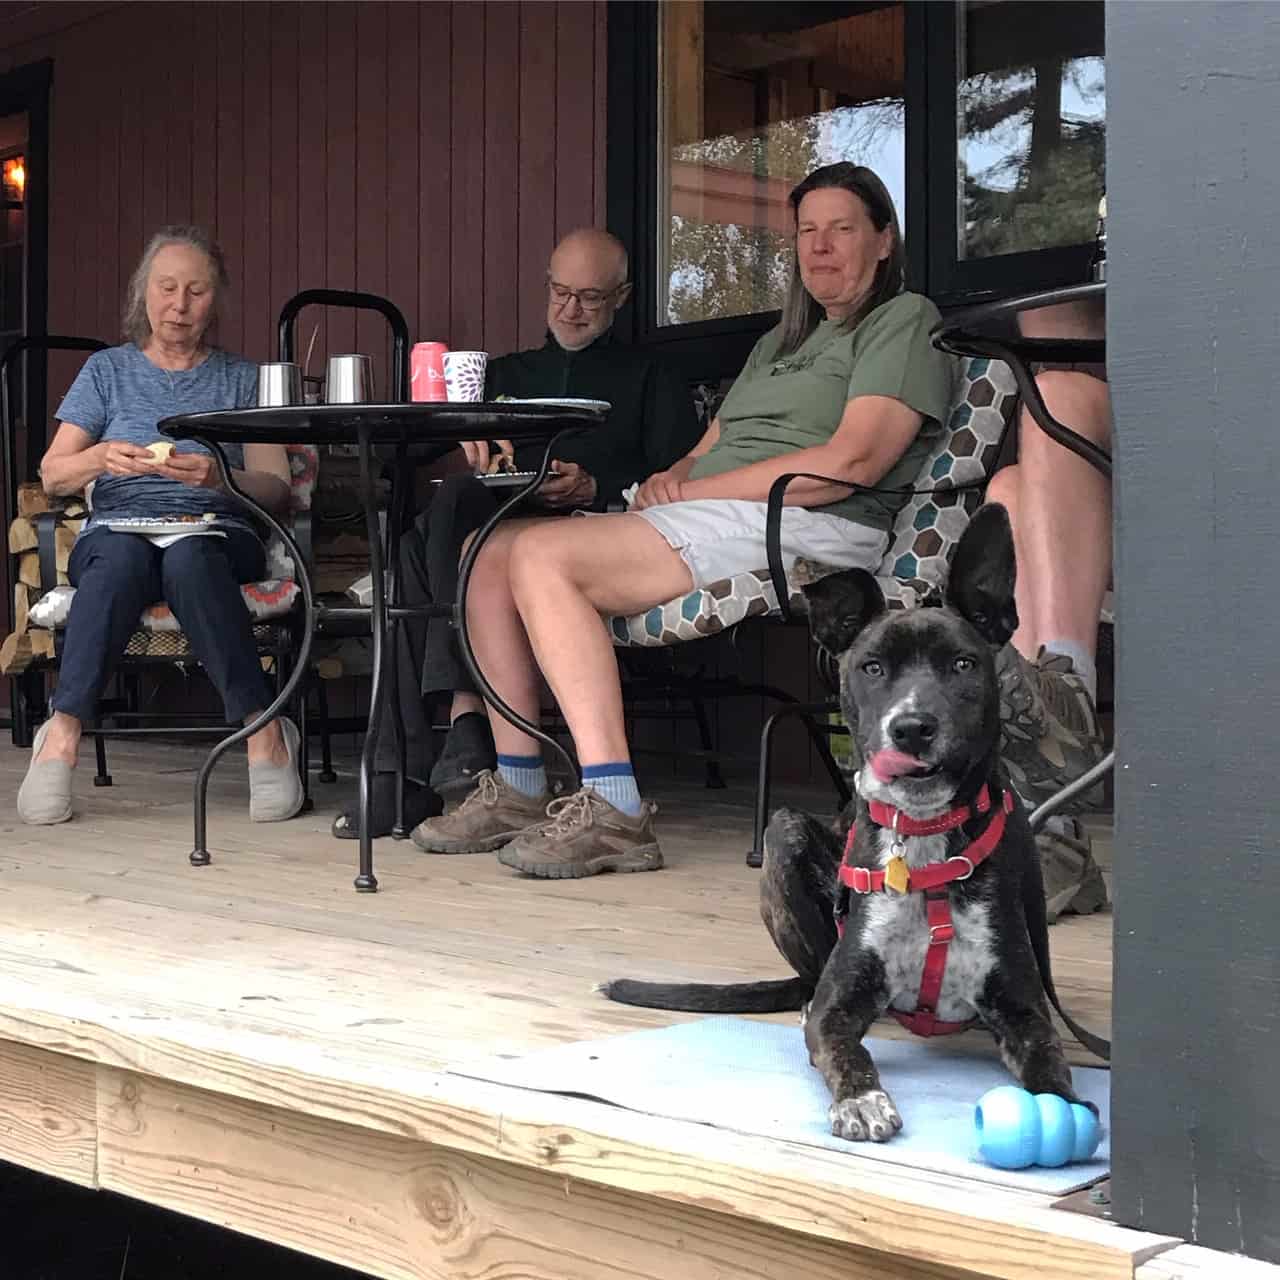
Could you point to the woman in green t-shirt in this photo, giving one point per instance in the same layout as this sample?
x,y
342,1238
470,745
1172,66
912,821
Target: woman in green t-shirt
x,y
847,385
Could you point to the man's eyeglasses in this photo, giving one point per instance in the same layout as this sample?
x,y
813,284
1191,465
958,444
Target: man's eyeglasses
x,y
588,299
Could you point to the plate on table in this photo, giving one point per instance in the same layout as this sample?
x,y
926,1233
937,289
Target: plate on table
x,y
504,479
603,405
159,526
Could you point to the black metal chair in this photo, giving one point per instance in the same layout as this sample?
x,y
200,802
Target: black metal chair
x,y
947,491
26,691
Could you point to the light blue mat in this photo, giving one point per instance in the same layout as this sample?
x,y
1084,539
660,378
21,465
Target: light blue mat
x,y
755,1078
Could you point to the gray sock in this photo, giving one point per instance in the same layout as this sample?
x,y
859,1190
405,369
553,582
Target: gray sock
x,y
1081,660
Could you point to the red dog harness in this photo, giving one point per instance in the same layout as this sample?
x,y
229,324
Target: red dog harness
x,y
931,881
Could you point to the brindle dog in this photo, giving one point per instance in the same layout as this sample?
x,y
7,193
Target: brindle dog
x,y
920,687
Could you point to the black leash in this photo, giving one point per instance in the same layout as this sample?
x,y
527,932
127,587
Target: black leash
x,y
1038,928
773,520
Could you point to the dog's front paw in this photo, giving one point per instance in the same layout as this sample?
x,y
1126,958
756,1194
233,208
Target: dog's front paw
x,y
870,1116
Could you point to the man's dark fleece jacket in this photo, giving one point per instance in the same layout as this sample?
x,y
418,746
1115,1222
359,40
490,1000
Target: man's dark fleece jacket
x,y
651,425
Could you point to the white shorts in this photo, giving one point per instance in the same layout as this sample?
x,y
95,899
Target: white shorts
x,y
720,537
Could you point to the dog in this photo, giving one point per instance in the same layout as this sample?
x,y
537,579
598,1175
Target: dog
x,y
933,910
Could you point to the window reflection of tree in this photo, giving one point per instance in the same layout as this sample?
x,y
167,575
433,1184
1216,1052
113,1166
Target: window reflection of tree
x,y
1031,122
1043,190
756,97
735,268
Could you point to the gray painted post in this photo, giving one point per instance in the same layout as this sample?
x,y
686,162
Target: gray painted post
x,y
1193,195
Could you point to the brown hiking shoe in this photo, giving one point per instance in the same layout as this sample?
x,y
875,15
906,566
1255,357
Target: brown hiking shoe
x,y
1073,883
585,835
493,814
1049,729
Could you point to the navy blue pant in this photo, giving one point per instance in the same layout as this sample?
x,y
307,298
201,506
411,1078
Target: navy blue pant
x,y
428,660
117,575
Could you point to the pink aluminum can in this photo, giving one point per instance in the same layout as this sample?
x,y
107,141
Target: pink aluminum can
x,y
426,371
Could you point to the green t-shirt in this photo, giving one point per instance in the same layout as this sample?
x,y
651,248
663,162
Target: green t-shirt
x,y
777,406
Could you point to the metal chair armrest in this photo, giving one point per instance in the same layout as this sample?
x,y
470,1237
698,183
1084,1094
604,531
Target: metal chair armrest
x,y
46,524
304,535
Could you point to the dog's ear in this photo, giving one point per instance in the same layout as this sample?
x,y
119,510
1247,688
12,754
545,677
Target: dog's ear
x,y
982,578
840,605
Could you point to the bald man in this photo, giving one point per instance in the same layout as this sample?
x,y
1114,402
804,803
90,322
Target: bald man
x,y
651,425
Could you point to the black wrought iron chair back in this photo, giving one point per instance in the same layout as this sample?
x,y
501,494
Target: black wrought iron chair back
x,y
286,339
356,301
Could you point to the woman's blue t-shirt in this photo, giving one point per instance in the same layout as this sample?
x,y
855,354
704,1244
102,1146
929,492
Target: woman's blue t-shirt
x,y
120,395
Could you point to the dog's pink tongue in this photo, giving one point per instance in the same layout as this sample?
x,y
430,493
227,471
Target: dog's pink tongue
x,y
887,765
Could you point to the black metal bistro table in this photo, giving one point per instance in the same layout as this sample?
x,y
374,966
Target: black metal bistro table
x,y
403,433
990,329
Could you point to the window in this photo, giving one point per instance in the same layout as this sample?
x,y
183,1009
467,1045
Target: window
x,y
985,118
752,97
1031,100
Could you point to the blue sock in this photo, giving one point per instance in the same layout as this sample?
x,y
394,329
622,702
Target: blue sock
x,y
616,783
525,774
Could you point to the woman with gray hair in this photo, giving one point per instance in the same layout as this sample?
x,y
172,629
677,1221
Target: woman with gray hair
x,y
107,439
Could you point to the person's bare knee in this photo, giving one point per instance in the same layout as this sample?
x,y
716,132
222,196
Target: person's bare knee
x,y
498,543
1077,400
544,548
1003,487
619,563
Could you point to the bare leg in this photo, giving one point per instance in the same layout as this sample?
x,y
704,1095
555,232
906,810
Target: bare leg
x,y
1061,512
1060,509
267,745
62,742
563,575
465,704
500,642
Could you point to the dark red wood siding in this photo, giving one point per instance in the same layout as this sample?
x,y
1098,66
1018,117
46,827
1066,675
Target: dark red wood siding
x,y
428,152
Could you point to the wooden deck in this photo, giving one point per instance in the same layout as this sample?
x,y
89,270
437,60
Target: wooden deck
x,y
257,1045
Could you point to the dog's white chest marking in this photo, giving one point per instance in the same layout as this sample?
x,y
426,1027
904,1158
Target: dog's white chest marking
x,y
894,926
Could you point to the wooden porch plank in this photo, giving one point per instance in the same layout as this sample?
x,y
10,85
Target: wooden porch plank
x,y
404,1209
828,1195
928,1219
48,1113
265,984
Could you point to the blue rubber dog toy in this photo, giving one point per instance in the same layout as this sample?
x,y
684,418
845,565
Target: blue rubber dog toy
x,y
1015,1129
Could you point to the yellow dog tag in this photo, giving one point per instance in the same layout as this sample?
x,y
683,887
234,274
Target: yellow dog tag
x,y
896,876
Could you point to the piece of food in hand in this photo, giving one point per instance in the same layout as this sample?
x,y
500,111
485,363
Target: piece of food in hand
x,y
160,451
501,462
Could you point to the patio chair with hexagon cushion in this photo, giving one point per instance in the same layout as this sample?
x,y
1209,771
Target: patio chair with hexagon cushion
x,y
949,489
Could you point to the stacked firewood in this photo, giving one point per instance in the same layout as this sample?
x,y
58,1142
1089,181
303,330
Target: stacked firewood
x,y
26,643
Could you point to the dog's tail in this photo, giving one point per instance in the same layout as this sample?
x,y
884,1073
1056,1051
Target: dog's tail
x,y
776,996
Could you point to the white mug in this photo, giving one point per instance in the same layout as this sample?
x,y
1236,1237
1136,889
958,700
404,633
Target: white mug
x,y
464,375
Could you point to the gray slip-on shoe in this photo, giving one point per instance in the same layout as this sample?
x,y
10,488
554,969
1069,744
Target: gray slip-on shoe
x,y
275,791
44,798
